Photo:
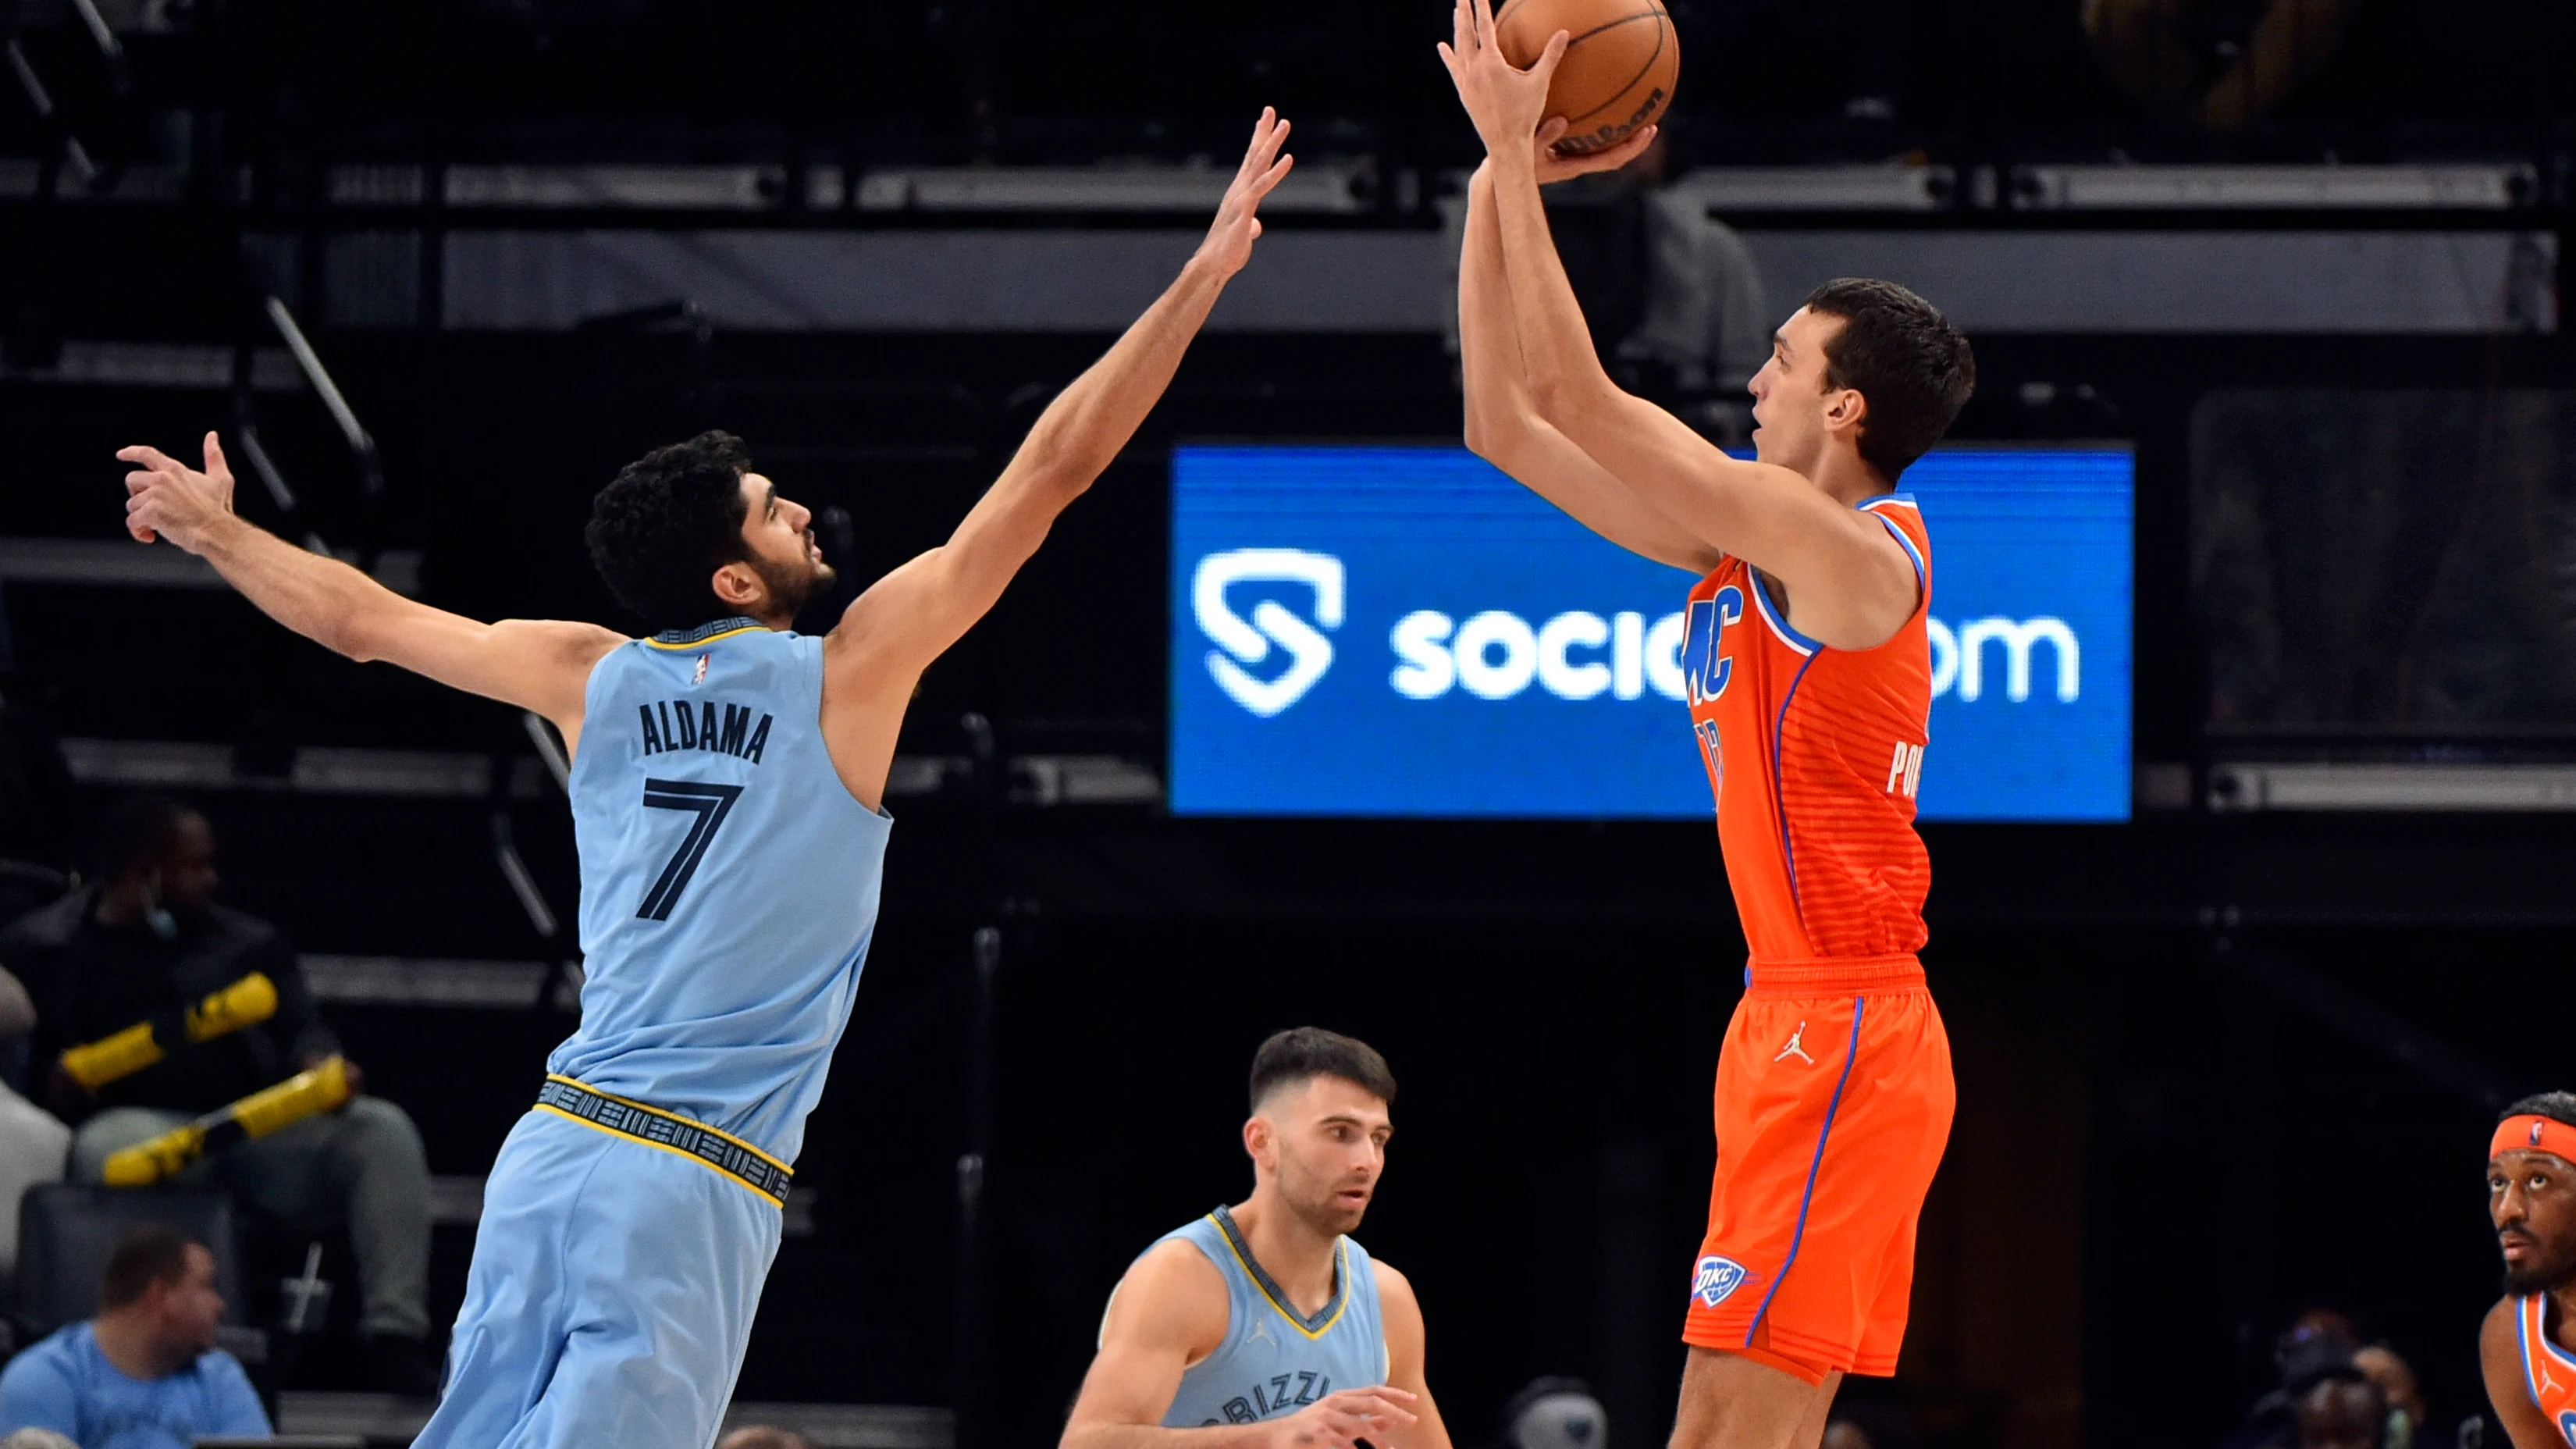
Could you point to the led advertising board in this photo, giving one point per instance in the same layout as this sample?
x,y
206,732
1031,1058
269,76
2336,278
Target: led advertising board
x,y
1405,631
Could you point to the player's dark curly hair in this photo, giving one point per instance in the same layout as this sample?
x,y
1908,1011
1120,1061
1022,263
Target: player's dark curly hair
x,y
665,524
1898,352
1302,1052
2556,1106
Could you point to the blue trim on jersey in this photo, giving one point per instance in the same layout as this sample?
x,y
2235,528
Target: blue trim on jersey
x,y
2522,1340
1905,498
1797,1236
2549,1345
1910,550
1780,626
1779,807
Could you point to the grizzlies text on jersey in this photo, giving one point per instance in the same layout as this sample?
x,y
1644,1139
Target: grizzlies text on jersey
x,y
1275,1361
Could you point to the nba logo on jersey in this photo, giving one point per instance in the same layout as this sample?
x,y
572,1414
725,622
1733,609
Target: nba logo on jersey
x,y
700,677
1716,1279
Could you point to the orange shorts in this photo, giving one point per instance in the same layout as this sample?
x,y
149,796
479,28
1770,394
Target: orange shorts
x,y
1833,1103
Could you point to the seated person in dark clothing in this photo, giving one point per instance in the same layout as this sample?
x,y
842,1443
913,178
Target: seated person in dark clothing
x,y
147,936
145,1373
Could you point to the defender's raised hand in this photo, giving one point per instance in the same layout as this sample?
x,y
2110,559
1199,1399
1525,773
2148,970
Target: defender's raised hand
x,y
165,498
1505,102
1230,238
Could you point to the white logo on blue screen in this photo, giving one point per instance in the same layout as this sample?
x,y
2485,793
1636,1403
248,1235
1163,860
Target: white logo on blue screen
x,y
1715,1278
1249,641
1576,655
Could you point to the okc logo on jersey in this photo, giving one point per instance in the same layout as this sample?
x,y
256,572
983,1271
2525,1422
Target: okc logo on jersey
x,y
1705,670
1717,1278
1241,641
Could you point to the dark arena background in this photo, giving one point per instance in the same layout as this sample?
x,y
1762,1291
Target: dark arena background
x,y
2229,1040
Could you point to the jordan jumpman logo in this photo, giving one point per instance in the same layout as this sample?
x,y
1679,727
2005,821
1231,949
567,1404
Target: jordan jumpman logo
x,y
1794,1048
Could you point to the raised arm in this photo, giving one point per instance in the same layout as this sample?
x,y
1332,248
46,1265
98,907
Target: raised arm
x,y
1168,1313
541,665
908,618
1503,423
1850,584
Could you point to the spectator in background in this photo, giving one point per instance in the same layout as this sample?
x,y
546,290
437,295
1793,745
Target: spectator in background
x,y
33,1144
1706,327
1673,296
145,1373
2328,1382
146,935
2342,1411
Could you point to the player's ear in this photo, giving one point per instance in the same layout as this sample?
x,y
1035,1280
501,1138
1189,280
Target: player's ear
x,y
1256,1138
1846,408
738,588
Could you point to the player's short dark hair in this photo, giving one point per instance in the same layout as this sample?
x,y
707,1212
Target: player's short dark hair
x,y
667,522
1897,351
133,832
1304,1052
149,1253
2556,1106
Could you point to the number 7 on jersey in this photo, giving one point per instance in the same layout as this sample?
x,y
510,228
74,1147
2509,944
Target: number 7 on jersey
x,y
711,803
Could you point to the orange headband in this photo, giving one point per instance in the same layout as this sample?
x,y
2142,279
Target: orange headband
x,y
2533,1134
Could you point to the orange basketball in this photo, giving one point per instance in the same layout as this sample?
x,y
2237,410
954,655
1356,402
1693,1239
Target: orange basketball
x,y
1621,60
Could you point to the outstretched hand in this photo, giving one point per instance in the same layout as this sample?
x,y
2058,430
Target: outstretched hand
x,y
1237,227
165,498
1505,102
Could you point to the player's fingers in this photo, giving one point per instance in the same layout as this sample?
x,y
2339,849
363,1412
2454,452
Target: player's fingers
x,y
150,457
1484,23
1269,180
1551,131
1545,65
1628,150
216,467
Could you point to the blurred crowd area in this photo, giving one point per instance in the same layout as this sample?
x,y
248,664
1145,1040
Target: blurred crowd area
x,y
945,81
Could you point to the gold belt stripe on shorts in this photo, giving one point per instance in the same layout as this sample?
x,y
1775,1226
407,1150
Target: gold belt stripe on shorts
x,y
721,1151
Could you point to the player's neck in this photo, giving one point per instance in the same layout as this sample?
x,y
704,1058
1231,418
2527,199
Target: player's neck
x,y
1847,480
1297,1258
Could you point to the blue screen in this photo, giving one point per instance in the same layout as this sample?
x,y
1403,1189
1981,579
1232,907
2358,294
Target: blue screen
x,y
1404,631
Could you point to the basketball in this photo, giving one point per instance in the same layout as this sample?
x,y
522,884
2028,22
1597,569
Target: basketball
x,y
1621,60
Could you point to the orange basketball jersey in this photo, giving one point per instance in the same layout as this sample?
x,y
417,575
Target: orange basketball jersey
x,y
1814,755
2549,1369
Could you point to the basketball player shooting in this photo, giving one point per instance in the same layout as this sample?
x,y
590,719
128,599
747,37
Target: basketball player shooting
x,y
1809,679
2528,1346
1264,1325
729,816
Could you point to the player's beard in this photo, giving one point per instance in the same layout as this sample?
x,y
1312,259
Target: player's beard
x,y
2522,1280
792,586
1321,1209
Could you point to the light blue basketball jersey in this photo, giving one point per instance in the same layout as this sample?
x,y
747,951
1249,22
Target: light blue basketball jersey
x,y
1273,1361
728,881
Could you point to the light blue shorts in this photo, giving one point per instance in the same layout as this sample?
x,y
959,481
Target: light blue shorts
x,y
610,1299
